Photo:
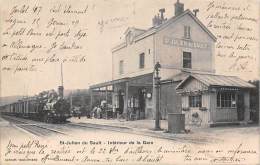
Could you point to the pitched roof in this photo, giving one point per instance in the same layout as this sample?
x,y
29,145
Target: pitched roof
x,y
217,80
178,77
134,29
175,18
154,29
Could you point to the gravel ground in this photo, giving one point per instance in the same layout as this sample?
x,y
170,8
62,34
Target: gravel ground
x,y
230,138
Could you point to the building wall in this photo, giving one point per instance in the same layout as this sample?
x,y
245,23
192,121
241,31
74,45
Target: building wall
x,y
203,119
171,55
226,114
203,116
194,85
170,101
167,55
221,114
130,56
213,113
247,105
149,113
229,114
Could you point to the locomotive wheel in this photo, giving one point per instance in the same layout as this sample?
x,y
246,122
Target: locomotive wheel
x,y
50,120
45,118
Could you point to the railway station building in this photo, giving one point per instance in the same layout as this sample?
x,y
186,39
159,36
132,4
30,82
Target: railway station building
x,y
184,47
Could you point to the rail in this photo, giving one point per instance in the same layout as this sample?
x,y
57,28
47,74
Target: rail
x,y
30,127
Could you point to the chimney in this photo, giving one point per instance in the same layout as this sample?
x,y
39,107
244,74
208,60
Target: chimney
x,y
159,18
195,12
60,91
179,8
155,20
162,11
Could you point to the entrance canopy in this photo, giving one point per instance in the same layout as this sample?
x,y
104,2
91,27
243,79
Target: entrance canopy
x,y
126,93
109,83
142,80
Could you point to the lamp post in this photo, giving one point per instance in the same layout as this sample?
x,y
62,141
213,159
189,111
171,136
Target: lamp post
x,y
157,89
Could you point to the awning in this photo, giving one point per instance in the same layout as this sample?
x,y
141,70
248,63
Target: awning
x,y
109,83
142,80
212,80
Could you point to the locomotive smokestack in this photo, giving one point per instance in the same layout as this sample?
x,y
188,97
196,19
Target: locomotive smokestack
x,y
61,88
61,91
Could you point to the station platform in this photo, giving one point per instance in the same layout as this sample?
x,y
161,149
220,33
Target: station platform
x,y
136,124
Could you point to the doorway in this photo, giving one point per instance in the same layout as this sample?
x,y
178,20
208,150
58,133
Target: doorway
x,y
240,106
120,101
141,98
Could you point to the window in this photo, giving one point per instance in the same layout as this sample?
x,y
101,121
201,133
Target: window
x,y
226,100
129,38
141,61
187,32
195,101
186,59
121,67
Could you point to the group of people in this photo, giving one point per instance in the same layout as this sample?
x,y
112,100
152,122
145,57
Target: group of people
x,y
97,112
105,111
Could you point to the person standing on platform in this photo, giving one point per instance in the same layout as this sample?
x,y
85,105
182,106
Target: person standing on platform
x,y
99,112
114,111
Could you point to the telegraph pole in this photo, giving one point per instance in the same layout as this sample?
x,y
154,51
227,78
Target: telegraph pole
x,y
61,74
157,96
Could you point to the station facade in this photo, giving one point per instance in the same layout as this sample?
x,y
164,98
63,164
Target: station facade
x,y
181,44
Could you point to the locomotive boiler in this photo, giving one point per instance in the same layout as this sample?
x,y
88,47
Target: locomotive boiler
x,y
47,106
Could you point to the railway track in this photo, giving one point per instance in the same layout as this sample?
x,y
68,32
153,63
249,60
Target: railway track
x,y
32,127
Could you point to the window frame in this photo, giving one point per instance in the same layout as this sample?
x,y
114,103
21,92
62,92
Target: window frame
x,y
195,101
185,58
141,61
187,32
225,99
121,67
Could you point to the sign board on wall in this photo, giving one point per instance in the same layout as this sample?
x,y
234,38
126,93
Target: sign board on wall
x,y
185,43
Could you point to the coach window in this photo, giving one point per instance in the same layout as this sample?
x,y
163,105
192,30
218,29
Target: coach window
x,y
187,60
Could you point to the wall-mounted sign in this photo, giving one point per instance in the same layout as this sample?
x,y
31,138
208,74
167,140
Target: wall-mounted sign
x,y
184,43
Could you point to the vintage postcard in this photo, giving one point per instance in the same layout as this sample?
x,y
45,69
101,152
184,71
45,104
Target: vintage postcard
x,y
129,82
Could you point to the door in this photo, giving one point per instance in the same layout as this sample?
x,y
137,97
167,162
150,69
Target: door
x,y
120,102
240,106
141,99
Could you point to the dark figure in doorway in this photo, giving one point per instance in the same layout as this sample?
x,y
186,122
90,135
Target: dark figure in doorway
x,y
240,106
141,104
121,102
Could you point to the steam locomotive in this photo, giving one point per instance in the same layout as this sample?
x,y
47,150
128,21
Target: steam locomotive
x,y
47,106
